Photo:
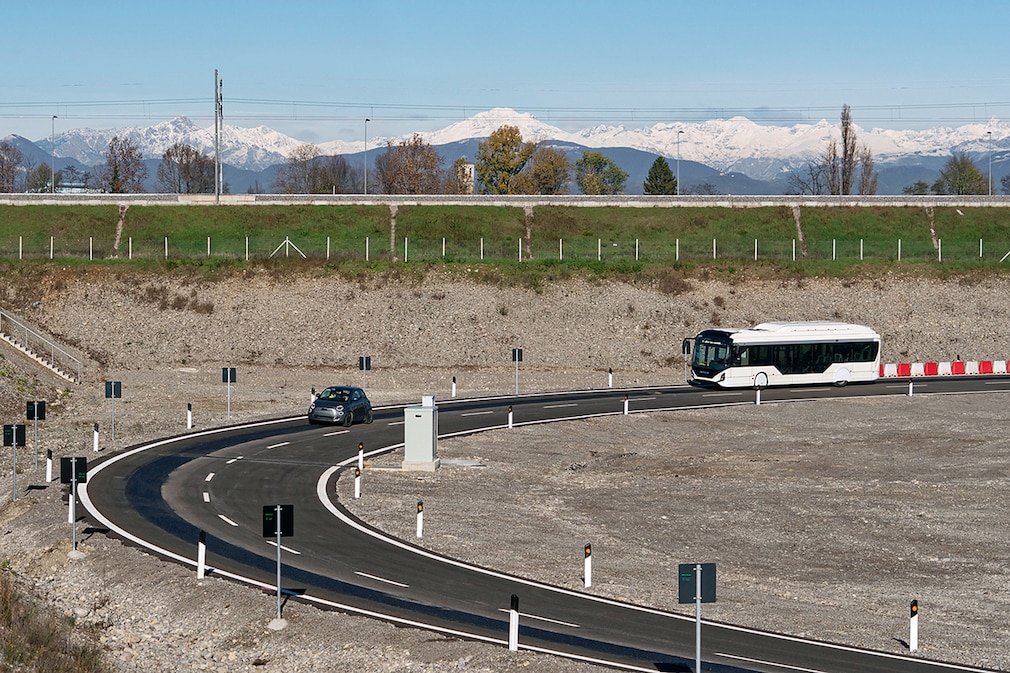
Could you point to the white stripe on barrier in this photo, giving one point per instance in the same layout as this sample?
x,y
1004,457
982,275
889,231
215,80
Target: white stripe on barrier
x,y
943,369
890,370
971,367
918,369
999,367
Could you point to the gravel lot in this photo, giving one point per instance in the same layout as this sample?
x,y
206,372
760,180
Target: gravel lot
x,y
825,519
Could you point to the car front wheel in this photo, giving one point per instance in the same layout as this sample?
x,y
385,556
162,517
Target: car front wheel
x,y
368,417
348,419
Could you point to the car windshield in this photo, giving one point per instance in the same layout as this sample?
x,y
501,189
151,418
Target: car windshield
x,y
336,394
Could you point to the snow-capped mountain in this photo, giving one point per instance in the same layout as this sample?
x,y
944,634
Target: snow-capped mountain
x,y
728,145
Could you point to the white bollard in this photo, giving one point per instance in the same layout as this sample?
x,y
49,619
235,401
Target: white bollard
x,y
420,519
95,441
49,465
189,415
514,624
589,566
361,455
757,395
201,556
909,387
610,377
357,483
454,386
913,627
625,405
510,418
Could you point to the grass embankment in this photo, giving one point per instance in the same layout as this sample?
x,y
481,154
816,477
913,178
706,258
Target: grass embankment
x,y
35,640
647,243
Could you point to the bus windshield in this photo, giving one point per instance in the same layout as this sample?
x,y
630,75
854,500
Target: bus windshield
x,y
712,352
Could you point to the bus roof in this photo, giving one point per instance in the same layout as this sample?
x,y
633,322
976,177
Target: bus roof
x,y
804,331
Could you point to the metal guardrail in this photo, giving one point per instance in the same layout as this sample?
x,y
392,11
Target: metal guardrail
x,y
59,360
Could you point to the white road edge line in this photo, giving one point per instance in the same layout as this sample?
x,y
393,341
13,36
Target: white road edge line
x,y
381,579
287,549
767,663
544,619
721,394
559,406
477,413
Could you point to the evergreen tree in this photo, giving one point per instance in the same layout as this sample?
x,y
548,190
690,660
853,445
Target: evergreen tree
x,y
660,181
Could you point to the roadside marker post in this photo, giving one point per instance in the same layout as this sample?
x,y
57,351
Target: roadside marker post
x,y
625,405
909,387
357,483
94,439
454,386
361,455
189,415
420,519
510,417
201,555
514,624
610,377
757,395
913,626
589,566
49,466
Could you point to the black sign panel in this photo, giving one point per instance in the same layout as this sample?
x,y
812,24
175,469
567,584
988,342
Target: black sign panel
x,y
14,435
688,582
36,410
68,465
113,389
517,355
365,363
287,522
227,375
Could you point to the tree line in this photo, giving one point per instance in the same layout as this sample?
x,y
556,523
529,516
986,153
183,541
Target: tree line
x,y
505,164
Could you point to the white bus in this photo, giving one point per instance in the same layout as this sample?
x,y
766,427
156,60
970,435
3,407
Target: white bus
x,y
785,354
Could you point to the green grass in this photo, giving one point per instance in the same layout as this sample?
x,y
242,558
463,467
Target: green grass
x,y
565,240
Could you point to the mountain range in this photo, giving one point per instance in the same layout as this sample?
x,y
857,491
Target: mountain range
x,y
734,156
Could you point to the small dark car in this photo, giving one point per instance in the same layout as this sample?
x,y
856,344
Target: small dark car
x,y
341,404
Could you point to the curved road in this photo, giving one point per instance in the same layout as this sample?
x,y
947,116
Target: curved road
x,y
161,495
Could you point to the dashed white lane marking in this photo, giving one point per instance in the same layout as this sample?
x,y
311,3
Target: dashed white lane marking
x,y
209,476
381,579
287,549
396,423
559,406
721,394
274,446
227,520
206,496
233,460
544,619
337,432
477,413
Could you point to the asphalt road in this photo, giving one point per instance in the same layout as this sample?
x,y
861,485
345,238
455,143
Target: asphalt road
x,y
162,495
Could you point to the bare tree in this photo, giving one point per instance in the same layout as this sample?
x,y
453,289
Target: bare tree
x,y
11,161
867,173
185,170
849,148
124,171
296,176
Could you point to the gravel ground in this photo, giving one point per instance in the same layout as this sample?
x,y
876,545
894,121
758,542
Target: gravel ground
x,y
825,519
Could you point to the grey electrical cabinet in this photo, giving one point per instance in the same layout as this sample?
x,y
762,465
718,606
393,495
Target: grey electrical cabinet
x,y
420,435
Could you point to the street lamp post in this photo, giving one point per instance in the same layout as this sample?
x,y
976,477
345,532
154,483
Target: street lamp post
x,y
678,161
53,157
989,133
366,155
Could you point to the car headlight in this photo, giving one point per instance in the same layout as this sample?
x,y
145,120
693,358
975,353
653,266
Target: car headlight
x,y
312,406
339,408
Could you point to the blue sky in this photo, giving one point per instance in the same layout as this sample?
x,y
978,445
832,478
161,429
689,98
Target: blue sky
x,y
315,70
